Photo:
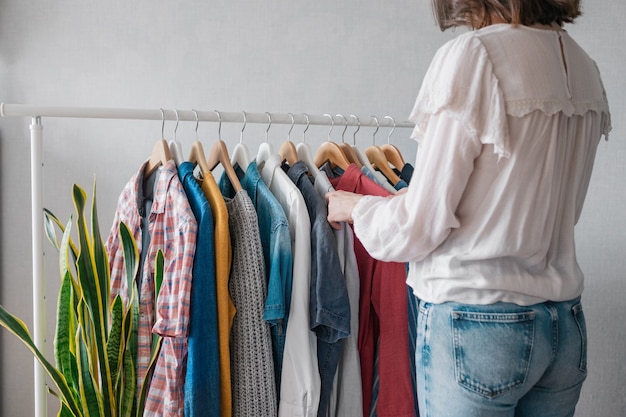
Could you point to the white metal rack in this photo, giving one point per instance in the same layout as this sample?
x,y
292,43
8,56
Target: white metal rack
x,y
36,163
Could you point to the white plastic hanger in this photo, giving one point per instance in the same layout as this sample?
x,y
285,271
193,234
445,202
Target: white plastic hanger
x,y
241,156
176,149
304,151
265,148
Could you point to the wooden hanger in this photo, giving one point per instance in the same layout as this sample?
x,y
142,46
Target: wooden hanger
x,y
331,152
393,155
219,155
160,155
196,157
160,152
379,161
345,147
349,154
287,151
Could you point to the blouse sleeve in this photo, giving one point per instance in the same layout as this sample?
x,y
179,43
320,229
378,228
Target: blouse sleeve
x,y
461,81
459,109
407,227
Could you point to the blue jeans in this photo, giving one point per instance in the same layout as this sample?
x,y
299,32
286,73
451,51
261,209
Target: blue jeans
x,y
500,359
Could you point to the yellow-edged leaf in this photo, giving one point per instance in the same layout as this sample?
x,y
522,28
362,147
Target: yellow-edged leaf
x,y
19,329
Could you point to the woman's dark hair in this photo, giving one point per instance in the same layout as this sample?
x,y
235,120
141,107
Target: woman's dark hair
x,y
480,13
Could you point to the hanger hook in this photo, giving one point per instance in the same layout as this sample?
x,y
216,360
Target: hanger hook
x,y
197,122
245,120
306,116
219,127
392,129
377,127
269,124
358,127
345,126
332,124
177,120
162,123
293,122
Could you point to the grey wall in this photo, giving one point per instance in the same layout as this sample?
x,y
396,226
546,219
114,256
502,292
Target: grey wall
x,y
360,57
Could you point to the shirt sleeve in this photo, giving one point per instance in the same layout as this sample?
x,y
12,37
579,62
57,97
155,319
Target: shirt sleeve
x,y
407,227
461,81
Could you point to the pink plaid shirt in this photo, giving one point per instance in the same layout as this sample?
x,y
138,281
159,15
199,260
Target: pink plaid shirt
x,y
172,229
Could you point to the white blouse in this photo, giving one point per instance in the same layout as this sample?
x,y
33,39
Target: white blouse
x,y
508,120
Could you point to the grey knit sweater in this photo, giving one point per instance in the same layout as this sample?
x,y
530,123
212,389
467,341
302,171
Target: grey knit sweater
x,y
252,366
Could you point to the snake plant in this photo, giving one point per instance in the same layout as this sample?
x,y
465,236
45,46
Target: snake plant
x,y
95,344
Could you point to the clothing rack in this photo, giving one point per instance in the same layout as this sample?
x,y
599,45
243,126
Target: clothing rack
x,y
36,162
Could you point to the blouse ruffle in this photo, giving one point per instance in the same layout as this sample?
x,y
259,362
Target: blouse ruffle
x,y
461,81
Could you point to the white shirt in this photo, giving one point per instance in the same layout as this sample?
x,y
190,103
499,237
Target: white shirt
x,y
300,384
508,120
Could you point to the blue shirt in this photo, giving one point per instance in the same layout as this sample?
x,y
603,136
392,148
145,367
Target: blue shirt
x,y
202,381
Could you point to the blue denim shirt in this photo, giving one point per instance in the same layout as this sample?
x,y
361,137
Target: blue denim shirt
x,y
329,304
202,380
277,254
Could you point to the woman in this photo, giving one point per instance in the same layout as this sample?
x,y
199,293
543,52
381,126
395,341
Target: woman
x,y
508,120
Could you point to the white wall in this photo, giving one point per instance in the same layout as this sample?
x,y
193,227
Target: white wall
x,y
359,57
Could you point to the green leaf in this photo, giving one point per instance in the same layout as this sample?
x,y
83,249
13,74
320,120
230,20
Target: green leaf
x,y
131,256
156,349
64,411
19,329
63,339
101,259
158,274
115,348
90,398
158,280
50,220
129,386
92,292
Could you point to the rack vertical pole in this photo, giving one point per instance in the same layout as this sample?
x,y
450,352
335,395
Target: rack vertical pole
x,y
39,295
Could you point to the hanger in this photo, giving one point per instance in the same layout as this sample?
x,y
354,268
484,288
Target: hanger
x,y
217,155
160,152
359,154
175,147
392,153
379,161
330,151
265,148
345,147
287,151
240,155
304,151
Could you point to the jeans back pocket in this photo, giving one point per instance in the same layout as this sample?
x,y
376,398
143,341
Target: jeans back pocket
x,y
492,350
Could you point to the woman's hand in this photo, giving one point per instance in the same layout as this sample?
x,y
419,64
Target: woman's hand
x,y
340,207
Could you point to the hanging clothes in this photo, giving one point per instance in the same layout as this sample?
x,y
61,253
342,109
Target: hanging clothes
x,y
383,316
329,306
202,380
225,306
171,224
252,366
346,397
277,254
300,380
